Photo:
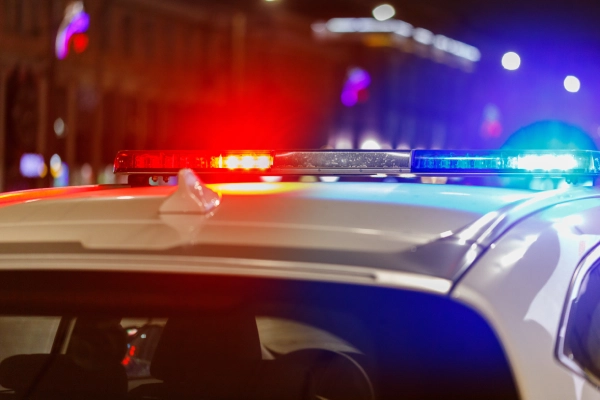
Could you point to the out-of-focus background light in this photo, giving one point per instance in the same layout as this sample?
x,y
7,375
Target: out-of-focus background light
x,y
343,142
370,144
59,127
33,166
383,12
63,178
55,166
86,174
74,25
355,88
511,61
572,84
491,126
329,179
271,179
256,76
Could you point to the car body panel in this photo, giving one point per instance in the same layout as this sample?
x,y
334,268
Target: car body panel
x,y
377,217
528,247
520,285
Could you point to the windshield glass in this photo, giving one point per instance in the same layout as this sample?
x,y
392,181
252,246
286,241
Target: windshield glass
x,y
180,336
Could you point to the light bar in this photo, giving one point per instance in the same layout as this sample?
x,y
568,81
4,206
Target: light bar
x,y
491,162
341,162
363,162
170,162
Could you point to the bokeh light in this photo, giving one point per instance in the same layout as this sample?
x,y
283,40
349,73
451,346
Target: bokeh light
x,y
59,127
329,179
511,61
370,144
33,166
355,88
271,179
383,12
75,21
55,166
63,179
87,174
572,84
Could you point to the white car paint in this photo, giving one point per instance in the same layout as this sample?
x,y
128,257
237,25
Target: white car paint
x,y
520,286
373,216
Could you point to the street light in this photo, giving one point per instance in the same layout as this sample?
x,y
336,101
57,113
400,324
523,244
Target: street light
x,y
383,12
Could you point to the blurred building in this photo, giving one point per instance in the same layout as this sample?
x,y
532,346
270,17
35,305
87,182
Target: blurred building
x,y
151,74
417,83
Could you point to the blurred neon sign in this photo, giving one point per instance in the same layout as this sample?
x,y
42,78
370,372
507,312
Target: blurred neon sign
x,y
76,21
400,28
354,88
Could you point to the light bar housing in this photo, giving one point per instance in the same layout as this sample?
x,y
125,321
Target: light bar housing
x,y
362,162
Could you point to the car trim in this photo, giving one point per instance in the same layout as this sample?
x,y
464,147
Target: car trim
x,y
407,261
447,258
226,266
589,261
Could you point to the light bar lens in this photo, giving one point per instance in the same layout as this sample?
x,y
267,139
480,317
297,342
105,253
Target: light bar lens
x,y
169,162
363,162
505,161
342,161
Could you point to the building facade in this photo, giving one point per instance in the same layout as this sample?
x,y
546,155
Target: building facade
x,y
152,74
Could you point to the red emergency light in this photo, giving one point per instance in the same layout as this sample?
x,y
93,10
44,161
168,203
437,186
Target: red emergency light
x,y
170,162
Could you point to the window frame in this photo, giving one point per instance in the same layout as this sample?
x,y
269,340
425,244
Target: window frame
x,y
589,262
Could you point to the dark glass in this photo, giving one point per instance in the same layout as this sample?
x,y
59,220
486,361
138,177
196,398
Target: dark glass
x,y
582,338
134,335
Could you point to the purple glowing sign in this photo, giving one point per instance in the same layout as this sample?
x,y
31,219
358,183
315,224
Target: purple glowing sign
x,y
76,21
358,81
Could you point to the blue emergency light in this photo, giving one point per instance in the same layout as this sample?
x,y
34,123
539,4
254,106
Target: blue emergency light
x,y
362,162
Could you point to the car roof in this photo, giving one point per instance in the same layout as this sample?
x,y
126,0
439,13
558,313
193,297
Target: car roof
x,y
385,216
421,237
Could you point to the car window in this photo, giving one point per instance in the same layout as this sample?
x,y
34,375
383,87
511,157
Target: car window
x,y
190,336
277,336
26,335
582,334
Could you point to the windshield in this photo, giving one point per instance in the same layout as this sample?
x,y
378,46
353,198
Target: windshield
x,y
84,79
136,335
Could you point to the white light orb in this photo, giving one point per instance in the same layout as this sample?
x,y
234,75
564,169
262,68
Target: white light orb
x,y
511,61
370,144
383,12
572,84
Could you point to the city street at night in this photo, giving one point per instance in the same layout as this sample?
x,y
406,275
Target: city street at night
x,y
299,199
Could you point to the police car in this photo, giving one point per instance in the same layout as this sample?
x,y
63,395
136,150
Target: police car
x,y
291,290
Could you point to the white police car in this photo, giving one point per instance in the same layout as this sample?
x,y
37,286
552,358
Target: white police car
x,y
350,290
